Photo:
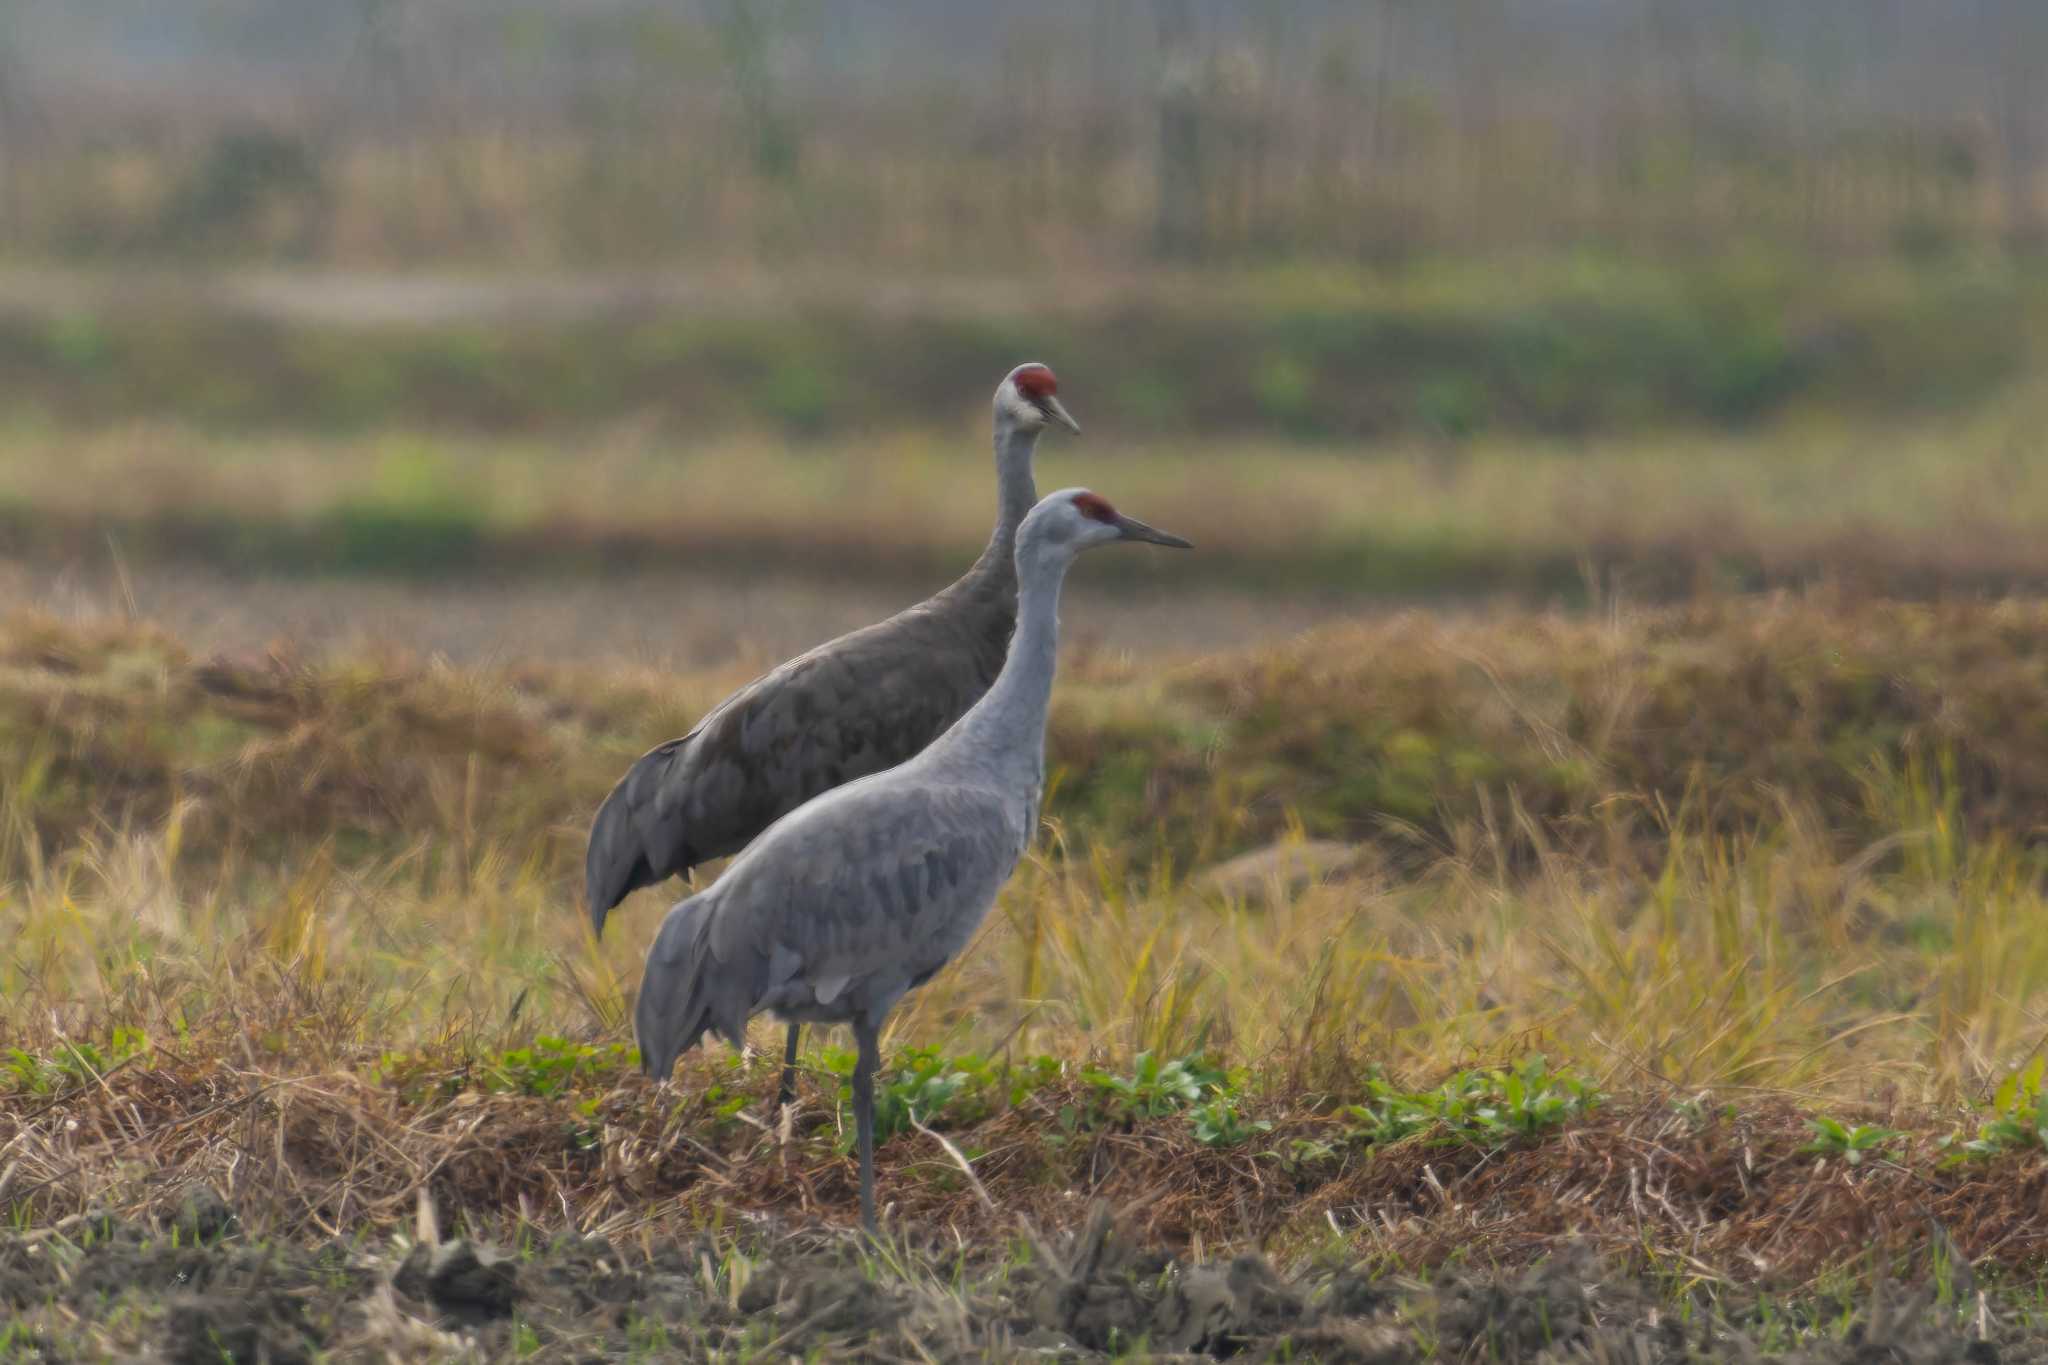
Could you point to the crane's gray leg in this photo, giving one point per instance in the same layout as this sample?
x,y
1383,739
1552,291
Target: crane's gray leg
x,y
788,1090
868,1037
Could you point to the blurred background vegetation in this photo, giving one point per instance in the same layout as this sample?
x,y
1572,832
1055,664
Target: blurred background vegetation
x,y
923,135
1500,258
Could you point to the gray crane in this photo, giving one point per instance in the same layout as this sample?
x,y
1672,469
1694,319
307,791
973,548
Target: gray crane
x,y
856,705
856,898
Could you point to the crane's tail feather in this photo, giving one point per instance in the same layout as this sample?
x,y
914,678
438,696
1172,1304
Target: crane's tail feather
x,y
684,992
624,852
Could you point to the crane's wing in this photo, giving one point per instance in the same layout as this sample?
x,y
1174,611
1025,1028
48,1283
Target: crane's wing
x,y
631,843
837,910
682,993
858,705
869,891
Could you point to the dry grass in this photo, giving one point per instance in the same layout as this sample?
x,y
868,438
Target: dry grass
x,y
1778,851
1772,843
310,1147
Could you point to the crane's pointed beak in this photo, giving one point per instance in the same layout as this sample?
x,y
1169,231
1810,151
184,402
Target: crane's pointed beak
x,y
1133,529
1059,414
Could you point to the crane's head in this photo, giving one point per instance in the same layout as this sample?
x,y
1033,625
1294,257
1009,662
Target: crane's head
x,y
1029,397
1074,519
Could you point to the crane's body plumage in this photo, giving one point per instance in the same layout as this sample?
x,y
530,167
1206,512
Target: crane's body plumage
x,y
854,706
843,906
834,914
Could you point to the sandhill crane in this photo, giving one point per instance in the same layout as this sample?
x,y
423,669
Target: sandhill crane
x,y
859,896
854,706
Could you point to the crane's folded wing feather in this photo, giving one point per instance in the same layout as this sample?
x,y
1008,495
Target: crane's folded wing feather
x,y
682,993
865,892
857,705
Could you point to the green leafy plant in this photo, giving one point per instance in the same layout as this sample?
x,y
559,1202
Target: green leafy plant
x,y
2019,1116
1218,1123
1154,1088
552,1065
1485,1107
69,1064
723,1105
1302,1156
1833,1138
938,1089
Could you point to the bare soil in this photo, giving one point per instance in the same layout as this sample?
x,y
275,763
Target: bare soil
x,y
194,1289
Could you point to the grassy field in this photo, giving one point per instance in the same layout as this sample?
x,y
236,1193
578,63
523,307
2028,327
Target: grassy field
x,y
1534,829
1711,940
1529,885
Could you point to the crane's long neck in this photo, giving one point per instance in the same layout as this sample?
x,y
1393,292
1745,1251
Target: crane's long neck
x,y
1003,735
1016,494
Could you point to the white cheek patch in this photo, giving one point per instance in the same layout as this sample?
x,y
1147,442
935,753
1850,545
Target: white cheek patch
x,y
1022,409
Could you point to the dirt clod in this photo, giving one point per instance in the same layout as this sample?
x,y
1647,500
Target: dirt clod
x,y
208,1329
465,1283
840,1301
1550,1305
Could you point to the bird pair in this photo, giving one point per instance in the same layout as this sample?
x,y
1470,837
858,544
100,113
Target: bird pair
x,y
882,788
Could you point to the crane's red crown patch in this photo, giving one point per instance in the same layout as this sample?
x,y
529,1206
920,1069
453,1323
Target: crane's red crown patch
x,y
1036,383
1095,508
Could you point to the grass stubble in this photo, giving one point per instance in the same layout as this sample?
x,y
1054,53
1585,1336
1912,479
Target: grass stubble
x,y
1707,943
